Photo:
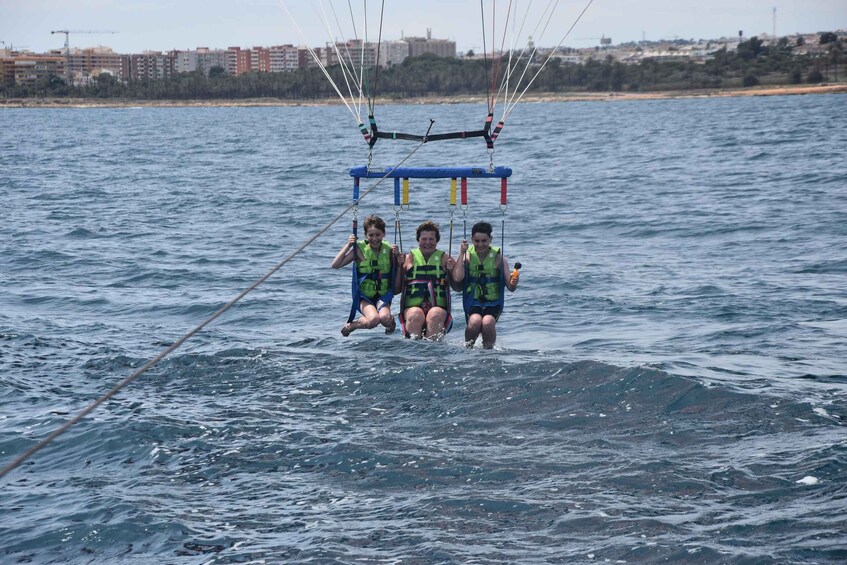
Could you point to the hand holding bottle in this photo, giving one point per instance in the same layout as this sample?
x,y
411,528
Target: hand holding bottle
x,y
515,276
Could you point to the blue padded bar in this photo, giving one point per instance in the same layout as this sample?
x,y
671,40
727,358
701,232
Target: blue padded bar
x,y
432,172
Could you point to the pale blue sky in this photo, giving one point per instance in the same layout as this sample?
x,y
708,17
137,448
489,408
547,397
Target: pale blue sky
x,y
186,24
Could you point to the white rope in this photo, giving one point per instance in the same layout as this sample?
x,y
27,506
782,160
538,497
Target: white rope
x,y
549,12
500,54
317,60
363,47
347,68
504,83
576,21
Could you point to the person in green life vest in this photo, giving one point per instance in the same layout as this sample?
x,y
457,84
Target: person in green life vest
x,y
484,274
376,262
427,280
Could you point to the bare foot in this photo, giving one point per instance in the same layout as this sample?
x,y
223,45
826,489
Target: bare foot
x,y
436,337
389,329
347,329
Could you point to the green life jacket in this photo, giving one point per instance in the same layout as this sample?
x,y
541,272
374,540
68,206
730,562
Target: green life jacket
x,y
484,281
374,270
426,282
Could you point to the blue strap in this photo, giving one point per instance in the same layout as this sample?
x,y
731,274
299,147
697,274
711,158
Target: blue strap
x,y
357,296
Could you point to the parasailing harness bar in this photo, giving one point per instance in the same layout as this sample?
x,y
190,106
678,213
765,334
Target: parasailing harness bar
x,y
431,173
373,134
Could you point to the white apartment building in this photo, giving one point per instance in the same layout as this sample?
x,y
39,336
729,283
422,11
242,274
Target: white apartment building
x,y
208,58
185,61
355,53
392,53
284,58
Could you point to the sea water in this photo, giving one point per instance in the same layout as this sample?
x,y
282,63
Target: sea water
x,y
668,383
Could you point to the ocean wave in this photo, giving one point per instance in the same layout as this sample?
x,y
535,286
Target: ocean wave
x,y
458,442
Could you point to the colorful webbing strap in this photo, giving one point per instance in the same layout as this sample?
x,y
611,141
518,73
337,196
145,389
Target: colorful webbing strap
x,y
497,130
372,122
366,134
489,142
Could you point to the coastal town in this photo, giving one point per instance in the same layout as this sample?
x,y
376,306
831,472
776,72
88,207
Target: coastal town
x,y
79,66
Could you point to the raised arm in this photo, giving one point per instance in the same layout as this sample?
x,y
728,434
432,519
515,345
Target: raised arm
x,y
459,267
345,257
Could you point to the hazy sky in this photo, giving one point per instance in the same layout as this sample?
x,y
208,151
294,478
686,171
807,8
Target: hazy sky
x,y
186,24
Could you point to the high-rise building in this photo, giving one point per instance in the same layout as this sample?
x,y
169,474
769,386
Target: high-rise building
x,y
207,59
150,65
238,61
26,69
260,59
440,47
284,58
89,61
185,61
305,60
355,53
393,53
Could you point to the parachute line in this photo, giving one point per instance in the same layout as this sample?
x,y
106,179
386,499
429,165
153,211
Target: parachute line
x,y
506,82
544,19
378,53
347,68
512,105
357,78
317,60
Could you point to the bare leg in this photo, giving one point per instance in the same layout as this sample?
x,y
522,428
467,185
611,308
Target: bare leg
x,y
369,319
473,329
387,320
435,320
489,331
415,321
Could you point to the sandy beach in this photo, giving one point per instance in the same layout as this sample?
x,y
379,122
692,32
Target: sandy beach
x,y
531,97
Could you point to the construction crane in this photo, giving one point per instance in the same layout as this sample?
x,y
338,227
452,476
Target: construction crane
x,y
67,33
11,46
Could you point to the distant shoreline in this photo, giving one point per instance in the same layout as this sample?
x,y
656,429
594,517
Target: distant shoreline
x,y
534,97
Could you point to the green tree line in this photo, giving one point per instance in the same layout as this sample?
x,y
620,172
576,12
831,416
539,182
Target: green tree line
x,y
752,63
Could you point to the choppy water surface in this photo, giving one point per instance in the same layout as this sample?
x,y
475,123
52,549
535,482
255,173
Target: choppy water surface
x,y
668,385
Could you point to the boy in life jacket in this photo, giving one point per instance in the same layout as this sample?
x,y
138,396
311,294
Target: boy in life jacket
x,y
482,271
378,276
427,280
